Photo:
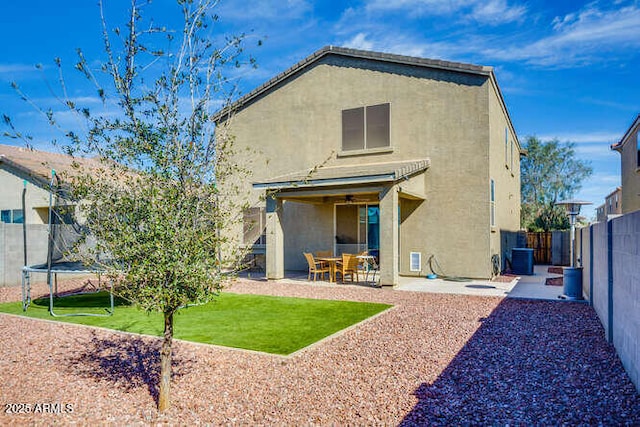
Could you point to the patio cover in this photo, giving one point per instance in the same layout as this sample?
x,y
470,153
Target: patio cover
x,y
351,175
382,183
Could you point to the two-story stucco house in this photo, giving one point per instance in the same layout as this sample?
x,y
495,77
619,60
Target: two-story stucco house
x,y
411,159
23,169
629,149
25,178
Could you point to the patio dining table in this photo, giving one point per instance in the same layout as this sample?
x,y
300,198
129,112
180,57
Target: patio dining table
x,y
332,261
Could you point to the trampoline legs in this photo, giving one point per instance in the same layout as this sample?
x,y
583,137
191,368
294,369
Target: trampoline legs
x,y
26,290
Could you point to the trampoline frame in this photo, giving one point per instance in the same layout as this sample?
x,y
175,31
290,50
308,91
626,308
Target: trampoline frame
x,y
53,270
53,288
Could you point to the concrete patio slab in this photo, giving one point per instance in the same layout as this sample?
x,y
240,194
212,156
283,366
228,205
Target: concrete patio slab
x,y
524,287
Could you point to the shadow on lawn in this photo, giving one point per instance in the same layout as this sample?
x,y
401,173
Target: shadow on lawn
x,y
81,300
531,363
129,362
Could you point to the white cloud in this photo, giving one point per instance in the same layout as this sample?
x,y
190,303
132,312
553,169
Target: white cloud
x,y
401,44
16,68
420,7
585,137
359,41
580,38
589,145
268,10
492,12
496,12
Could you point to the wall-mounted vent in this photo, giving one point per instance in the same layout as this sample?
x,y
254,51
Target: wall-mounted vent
x,y
415,261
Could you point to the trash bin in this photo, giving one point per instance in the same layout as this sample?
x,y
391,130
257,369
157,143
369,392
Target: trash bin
x,y
522,261
572,283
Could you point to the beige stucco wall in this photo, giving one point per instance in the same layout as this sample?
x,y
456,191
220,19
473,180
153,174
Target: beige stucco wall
x,y
440,115
630,174
11,187
505,171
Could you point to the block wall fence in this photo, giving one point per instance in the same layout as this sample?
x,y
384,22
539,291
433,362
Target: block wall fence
x,y
609,253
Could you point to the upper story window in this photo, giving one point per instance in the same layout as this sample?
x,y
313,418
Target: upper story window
x,y
365,128
15,216
506,147
511,163
493,203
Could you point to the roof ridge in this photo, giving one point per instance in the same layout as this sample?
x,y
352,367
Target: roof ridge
x,y
460,67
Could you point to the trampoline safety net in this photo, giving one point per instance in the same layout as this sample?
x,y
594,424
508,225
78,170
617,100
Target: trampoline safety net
x,y
66,238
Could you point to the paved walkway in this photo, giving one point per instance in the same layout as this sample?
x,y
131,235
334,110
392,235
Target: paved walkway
x,y
527,287
524,287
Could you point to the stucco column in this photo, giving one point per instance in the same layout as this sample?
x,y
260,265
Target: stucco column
x,y
275,239
389,234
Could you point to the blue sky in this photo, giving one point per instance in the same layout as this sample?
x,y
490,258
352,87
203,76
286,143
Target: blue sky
x,y
568,69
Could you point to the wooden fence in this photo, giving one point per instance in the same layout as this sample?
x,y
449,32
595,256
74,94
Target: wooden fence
x,y
541,245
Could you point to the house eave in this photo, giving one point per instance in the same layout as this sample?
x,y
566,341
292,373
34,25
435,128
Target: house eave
x,y
26,173
627,135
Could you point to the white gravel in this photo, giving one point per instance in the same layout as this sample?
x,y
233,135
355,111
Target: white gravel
x,y
435,359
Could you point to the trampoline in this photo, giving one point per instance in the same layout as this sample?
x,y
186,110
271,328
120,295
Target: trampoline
x,y
64,234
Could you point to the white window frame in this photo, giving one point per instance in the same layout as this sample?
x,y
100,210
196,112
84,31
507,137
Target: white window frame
x,y
12,216
511,155
365,147
411,258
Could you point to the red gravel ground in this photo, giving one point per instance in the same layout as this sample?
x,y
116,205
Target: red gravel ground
x,y
434,359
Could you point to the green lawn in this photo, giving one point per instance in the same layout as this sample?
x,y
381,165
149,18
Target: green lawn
x,y
277,325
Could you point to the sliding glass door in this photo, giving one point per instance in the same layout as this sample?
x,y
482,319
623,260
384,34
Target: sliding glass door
x,y
357,228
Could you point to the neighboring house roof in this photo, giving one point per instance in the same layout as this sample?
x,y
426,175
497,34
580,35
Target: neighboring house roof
x,y
618,145
270,85
617,190
37,165
346,175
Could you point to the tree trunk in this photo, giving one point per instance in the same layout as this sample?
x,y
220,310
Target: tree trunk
x,y
165,362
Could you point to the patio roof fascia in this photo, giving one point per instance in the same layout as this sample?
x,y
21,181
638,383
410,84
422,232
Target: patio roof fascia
x,y
355,180
390,173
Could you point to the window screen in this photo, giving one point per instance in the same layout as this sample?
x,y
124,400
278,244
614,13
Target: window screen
x,y
365,128
353,129
377,126
415,259
511,155
18,216
506,147
493,203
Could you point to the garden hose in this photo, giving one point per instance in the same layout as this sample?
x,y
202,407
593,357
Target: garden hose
x,y
440,273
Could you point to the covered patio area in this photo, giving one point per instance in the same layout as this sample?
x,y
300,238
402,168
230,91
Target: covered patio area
x,y
340,209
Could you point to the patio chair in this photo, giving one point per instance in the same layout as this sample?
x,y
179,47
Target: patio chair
x,y
315,267
349,267
324,253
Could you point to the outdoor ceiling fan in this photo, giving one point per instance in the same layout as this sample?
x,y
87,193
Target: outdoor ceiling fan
x,y
350,199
